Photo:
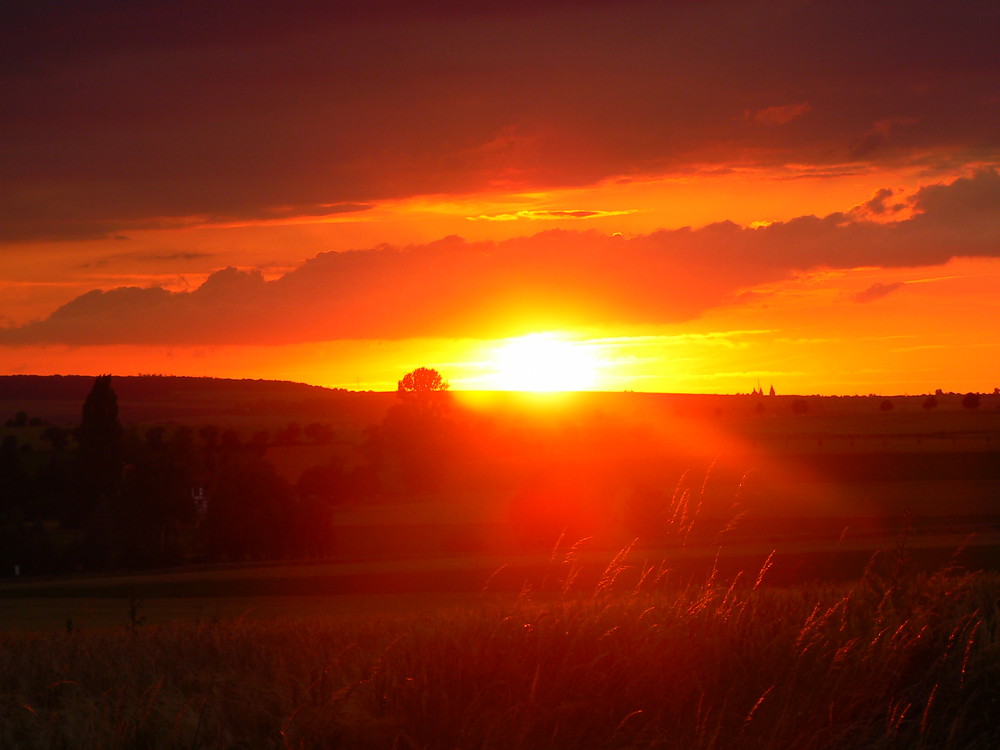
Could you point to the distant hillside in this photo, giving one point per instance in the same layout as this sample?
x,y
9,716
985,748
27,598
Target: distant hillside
x,y
147,398
249,403
142,387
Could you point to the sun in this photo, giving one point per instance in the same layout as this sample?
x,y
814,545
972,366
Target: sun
x,y
543,362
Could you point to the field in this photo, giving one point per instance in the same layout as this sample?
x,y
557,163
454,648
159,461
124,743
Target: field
x,y
897,659
871,641
602,571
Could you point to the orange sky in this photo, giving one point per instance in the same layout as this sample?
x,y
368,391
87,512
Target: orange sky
x,y
685,196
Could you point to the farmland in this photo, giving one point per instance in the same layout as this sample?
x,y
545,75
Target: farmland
x,y
604,570
514,473
894,659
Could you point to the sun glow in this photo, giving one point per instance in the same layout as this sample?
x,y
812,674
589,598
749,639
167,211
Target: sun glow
x,y
543,362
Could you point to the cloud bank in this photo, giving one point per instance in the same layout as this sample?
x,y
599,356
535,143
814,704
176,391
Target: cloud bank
x,y
120,116
554,279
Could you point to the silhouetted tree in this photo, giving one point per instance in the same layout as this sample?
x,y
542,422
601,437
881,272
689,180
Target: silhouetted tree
x,y
25,547
886,405
251,513
230,441
331,483
422,381
319,489
209,435
14,486
154,502
930,402
55,486
320,434
423,390
99,439
289,435
57,437
971,401
181,444
156,438
413,439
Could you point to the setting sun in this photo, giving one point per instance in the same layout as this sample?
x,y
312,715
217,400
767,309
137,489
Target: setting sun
x,y
543,362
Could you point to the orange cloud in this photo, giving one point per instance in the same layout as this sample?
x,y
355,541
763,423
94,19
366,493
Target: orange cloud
x,y
552,280
550,215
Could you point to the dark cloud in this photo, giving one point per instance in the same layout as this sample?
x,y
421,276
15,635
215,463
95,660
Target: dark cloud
x,y
973,198
877,205
125,115
876,291
172,256
549,214
144,258
781,114
36,31
550,280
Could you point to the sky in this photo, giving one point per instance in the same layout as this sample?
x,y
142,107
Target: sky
x,y
587,194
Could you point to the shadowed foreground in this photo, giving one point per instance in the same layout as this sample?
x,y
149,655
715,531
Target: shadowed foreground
x,y
897,659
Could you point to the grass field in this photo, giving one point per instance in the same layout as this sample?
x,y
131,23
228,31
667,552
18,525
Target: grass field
x,y
876,638
866,616
898,659
801,551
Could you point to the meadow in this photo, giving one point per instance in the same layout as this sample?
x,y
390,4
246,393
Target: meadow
x,y
642,657
826,580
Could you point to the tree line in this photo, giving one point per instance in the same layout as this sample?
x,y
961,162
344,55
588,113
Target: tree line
x,y
101,496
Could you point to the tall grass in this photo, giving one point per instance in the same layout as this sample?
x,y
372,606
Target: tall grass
x,y
896,660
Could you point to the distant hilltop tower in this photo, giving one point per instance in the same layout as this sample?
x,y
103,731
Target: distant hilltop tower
x,y
772,391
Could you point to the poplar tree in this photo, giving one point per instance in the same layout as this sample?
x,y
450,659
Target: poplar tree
x,y
100,441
